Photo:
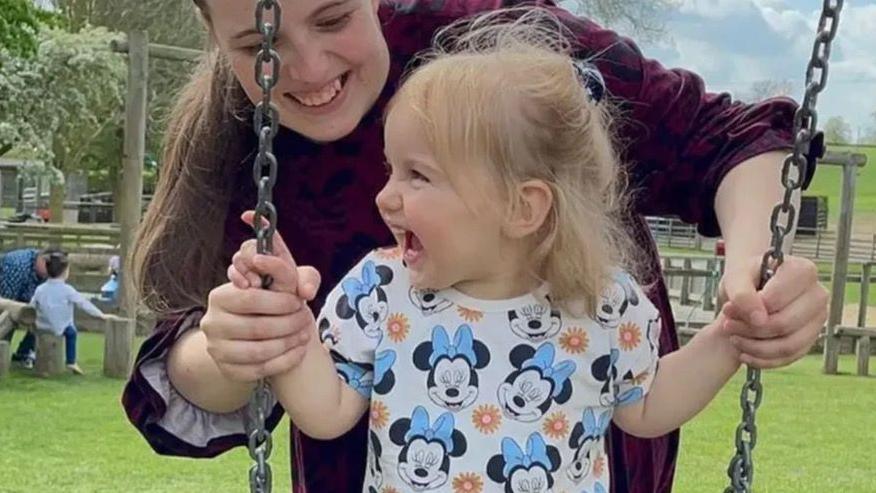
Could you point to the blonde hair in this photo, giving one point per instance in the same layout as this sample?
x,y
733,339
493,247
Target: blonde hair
x,y
501,90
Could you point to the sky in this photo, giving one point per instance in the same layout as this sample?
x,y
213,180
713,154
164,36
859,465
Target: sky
x,y
734,43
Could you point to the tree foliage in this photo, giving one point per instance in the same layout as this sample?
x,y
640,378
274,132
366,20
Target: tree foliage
x,y
837,131
20,23
643,19
62,100
765,89
169,22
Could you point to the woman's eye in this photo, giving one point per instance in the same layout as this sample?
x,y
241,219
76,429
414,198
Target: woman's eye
x,y
334,23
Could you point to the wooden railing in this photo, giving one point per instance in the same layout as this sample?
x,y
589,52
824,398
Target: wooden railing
x,y
91,238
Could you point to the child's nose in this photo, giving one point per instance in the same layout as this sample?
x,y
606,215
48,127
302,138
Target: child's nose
x,y
388,199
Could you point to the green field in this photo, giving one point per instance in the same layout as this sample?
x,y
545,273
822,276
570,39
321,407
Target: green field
x,y
70,435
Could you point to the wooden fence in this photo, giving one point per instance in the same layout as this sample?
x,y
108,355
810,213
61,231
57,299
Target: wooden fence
x,y
817,245
91,238
692,281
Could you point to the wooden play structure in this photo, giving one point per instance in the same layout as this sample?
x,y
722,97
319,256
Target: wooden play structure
x,y
118,333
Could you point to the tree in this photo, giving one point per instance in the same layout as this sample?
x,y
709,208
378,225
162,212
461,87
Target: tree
x,y
837,131
869,136
19,25
642,18
765,89
170,22
63,102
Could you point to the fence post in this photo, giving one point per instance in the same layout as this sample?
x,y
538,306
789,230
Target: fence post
x,y
862,352
873,248
709,289
684,297
117,349
840,268
5,358
865,293
671,227
50,354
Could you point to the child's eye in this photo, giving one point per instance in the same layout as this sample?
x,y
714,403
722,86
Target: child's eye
x,y
334,23
416,175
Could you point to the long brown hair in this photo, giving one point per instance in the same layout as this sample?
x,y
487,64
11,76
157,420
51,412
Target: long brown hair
x,y
178,255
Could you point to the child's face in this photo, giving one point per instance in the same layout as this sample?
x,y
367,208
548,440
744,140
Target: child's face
x,y
446,238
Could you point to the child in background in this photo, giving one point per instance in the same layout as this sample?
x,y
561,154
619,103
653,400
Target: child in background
x,y
54,301
494,345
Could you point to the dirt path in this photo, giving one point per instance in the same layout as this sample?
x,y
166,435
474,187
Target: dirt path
x,y
850,315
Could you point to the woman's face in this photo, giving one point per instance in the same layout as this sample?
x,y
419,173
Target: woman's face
x,y
334,60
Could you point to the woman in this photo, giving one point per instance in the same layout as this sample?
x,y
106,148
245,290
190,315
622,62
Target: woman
x,y
698,155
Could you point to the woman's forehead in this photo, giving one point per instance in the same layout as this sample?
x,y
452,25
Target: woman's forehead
x,y
238,13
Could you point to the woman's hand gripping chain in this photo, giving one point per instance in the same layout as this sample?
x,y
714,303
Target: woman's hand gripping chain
x,y
254,333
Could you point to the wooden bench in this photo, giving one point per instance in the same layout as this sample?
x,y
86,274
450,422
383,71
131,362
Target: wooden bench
x,y
862,336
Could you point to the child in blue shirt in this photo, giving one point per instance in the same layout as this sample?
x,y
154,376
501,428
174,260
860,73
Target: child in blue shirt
x,y
54,301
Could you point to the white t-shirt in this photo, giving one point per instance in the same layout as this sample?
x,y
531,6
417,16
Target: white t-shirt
x,y
472,395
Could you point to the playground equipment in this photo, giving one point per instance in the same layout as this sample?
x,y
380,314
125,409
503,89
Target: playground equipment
x,y
267,18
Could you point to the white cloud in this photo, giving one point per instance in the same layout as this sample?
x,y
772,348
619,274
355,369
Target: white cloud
x,y
733,43
713,9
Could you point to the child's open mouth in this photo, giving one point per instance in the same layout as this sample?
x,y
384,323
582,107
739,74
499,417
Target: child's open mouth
x,y
413,249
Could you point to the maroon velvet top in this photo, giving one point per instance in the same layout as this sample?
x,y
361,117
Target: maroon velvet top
x,y
678,141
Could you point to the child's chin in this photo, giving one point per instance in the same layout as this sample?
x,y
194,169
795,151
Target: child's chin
x,y
422,282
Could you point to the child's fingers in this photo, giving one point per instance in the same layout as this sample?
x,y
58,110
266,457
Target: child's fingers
x,y
242,261
734,312
308,282
284,274
237,278
279,245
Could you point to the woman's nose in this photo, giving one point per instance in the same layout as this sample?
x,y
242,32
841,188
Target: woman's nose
x,y
307,63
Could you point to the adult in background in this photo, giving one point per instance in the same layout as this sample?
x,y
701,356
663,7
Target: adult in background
x,y
21,271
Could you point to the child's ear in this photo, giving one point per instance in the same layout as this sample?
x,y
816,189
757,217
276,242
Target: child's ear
x,y
533,203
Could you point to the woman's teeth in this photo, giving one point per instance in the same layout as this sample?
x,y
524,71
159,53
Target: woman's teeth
x,y
320,97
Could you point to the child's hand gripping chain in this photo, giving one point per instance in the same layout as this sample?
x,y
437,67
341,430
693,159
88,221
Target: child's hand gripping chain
x,y
253,333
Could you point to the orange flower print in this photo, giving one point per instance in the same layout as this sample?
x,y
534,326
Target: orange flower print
x,y
574,340
379,414
487,418
468,482
390,489
397,327
599,466
629,336
389,253
470,315
556,426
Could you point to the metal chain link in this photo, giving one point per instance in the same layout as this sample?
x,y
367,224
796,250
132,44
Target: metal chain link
x,y
264,172
741,468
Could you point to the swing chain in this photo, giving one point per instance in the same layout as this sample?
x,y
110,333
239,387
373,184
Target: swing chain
x,y
741,468
265,124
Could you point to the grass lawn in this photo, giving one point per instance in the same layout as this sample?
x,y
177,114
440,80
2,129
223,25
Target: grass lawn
x,y
69,434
